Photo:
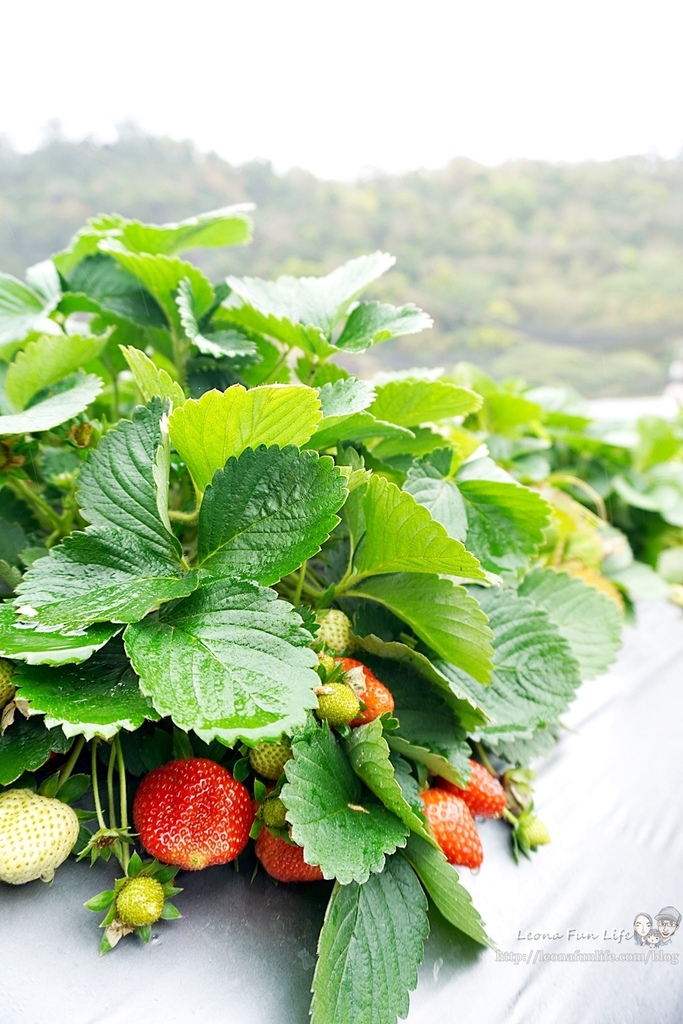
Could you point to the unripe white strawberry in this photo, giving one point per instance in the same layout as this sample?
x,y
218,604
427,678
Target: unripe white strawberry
x,y
335,631
37,834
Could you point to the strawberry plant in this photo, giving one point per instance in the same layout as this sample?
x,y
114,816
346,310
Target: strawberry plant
x,y
203,515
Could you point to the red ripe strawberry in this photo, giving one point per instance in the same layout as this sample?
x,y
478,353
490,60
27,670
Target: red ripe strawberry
x,y
283,861
484,794
193,814
453,827
375,696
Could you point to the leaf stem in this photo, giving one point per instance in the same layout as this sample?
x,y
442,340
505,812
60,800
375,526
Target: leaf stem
x,y
590,492
485,759
95,786
70,764
300,583
46,514
276,369
183,517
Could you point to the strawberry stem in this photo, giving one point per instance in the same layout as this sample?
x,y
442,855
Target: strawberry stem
x,y
70,764
510,818
485,760
123,797
95,786
110,786
300,583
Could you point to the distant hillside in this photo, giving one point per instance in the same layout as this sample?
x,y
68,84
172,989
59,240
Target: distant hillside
x,y
555,273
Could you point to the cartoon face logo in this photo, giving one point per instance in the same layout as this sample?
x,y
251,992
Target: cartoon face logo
x,y
641,926
653,938
668,919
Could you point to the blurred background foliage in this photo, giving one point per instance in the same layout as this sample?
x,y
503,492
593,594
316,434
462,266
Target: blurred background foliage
x,y
560,274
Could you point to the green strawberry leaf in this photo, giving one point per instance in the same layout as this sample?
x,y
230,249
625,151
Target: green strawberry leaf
x,y
26,745
323,799
96,698
267,512
372,322
161,275
56,409
535,675
505,521
99,285
317,301
151,380
23,640
401,536
100,575
207,432
413,401
427,715
344,397
370,946
214,342
231,662
369,755
22,311
441,881
461,703
47,360
227,226
359,426
589,621
123,485
445,616
429,482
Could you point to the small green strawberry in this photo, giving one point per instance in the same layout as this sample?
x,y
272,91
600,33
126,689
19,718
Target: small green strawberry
x,y
140,901
335,631
136,902
528,833
536,833
273,813
337,704
269,759
7,690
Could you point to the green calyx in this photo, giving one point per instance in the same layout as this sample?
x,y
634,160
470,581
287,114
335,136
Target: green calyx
x,y
273,813
140,902
337,704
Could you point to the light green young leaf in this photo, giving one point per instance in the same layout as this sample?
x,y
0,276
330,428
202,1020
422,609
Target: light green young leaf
x,y
413,401
371,944
161,275
22,311
317,301
23,640
231,662
227,226
344,397
54,410
151,380
349,840
443,615
368,754
589,621
401,536
441,881
44,280
207,432
535,675
26,745
372,322
101,575
251,320
97,698
267,512
47,360
118,487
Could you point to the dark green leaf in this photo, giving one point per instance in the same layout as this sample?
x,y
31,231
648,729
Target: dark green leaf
x,y
267,512
349,840
26,745
372,322
370,947
441,881
42,645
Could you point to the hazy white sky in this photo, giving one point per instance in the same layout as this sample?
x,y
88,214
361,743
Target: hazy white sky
x,y
341,87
